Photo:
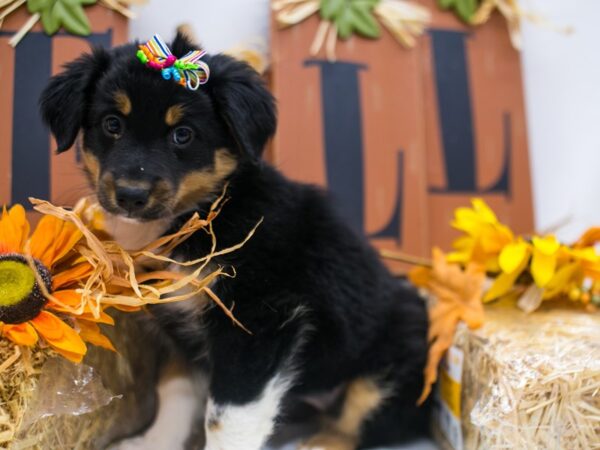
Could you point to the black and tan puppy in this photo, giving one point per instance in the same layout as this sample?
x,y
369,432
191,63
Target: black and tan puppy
x,y
325,314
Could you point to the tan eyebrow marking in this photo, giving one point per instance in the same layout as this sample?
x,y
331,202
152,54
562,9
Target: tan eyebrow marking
x,y
174,115
123,103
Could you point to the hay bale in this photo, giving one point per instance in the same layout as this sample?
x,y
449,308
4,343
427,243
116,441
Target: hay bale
x,y
527,382
112,395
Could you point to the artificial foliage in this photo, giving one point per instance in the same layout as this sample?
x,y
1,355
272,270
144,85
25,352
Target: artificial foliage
x,y
57,14
351,16
404,19
464,9
27,315
458,293
58,282
491,263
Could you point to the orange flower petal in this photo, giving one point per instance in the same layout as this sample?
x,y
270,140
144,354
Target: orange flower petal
x,y
71,275
104,318
420,276
73,357
72,298
52,239
60,336
127,308
14,229
90,332
22,333
86,315
69,297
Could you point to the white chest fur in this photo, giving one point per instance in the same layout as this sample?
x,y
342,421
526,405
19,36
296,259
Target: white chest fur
x,y
132,234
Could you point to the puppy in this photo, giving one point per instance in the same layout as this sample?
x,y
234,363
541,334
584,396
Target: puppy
x,y
324,313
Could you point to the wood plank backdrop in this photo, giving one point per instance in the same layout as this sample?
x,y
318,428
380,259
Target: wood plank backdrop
x,y
403,136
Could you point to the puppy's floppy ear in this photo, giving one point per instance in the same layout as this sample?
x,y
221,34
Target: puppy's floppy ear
x,y
64,100
244,103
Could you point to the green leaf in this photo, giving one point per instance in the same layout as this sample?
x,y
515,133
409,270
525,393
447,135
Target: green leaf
x,y
74,19
343,22
68,14
50,23
79,2
370,3
464,9
364,22
445,4
331,8
35,6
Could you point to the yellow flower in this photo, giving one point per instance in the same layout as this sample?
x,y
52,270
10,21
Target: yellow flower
x,y
567,280
545,259
513,260
25,310
484,239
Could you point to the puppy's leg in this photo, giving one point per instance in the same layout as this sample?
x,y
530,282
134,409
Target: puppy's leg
x,y
245,426
178,403
363,397
250,376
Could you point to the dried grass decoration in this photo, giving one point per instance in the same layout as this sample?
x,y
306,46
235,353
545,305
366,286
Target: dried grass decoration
x,y
531,381
490,263
57,284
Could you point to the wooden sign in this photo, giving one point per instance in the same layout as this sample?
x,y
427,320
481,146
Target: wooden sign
x,y
29,165
400,137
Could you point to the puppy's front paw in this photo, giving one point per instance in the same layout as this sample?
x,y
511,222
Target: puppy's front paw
x,y
136,443
329,441
148,442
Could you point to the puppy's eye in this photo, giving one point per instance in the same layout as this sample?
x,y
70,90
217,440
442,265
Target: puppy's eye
x,y
113,126
182,136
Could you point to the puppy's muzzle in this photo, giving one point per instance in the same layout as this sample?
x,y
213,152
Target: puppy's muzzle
x,y
132,199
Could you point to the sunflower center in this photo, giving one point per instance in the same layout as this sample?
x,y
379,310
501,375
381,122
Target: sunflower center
x,y
21,298
16,282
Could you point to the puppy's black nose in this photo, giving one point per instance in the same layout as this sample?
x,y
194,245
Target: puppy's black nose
x,y
132,199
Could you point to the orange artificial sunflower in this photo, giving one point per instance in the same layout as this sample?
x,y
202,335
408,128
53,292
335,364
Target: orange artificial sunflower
x,y
44,304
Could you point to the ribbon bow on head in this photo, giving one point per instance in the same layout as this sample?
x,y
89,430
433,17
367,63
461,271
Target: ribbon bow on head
x,y
187,71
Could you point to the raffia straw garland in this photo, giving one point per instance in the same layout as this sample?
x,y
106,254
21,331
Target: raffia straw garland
x,y
514,15
9,6
405,20
114,280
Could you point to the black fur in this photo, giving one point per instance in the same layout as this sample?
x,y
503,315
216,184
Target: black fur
x,y
315,296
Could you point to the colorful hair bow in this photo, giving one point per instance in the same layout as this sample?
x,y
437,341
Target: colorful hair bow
x,y
188,70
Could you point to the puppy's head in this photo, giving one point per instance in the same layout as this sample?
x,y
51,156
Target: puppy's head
x,y
152,148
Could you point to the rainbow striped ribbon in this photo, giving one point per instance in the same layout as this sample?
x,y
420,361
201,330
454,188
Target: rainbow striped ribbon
x,y
188,70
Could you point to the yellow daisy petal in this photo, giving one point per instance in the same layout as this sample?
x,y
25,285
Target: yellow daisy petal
x,y
484,211
543,267
512,256
547,245
502,285
468,221
564,279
